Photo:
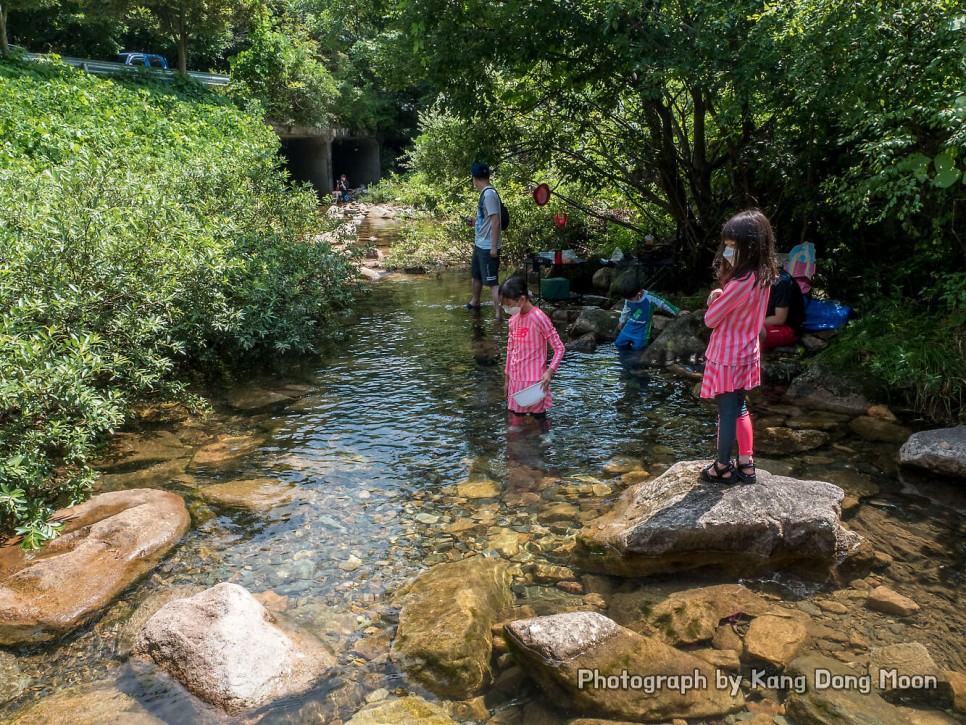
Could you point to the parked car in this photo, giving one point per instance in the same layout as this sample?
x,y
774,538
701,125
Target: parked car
x,y
149,60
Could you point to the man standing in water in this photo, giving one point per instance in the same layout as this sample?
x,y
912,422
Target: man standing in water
x,y
485,269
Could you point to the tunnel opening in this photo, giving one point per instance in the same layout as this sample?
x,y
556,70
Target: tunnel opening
x,y
357,158
307,159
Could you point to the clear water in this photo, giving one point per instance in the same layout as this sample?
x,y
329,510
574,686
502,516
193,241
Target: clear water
x,y
410,405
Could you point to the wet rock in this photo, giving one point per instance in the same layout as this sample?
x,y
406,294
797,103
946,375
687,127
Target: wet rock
x,y
602,323
684,338
555,648
833,705
885,600
227,649
226,448
817,420
158,475
878,430
726,638
474,710
787,441
722,659
957,680
443,639
484,488
812,343
912,716
93,704
908,672
130,450
775,640
550,574
253,397
107,544
620,464
941,451
409,710
603,278
819,388
686,617
585,343
12,681
677,522
256,494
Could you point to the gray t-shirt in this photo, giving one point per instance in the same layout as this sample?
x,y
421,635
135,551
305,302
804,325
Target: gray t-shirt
x,y
488,206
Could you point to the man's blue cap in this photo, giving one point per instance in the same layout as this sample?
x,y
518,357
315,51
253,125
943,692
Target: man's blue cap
x,y
480,171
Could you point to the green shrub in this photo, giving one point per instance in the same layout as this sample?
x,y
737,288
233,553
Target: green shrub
x,y
146,232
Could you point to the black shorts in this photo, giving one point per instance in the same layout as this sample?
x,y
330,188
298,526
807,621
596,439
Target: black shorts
x,y
485,267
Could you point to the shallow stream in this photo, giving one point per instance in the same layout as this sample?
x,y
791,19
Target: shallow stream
x,y
391,420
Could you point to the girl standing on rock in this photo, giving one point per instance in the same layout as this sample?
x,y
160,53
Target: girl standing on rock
x,y
745,266
530,333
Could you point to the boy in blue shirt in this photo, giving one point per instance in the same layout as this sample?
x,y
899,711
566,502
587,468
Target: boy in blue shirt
x,y
635,320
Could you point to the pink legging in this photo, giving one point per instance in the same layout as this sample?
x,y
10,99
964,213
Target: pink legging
x,y
734,422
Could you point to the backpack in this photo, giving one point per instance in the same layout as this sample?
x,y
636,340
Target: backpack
x,y
801,265
504,212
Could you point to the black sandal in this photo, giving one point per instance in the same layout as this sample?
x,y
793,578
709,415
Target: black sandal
x,y
713,474
744,477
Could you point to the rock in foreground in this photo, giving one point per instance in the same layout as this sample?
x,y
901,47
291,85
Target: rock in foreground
x,y
676,522
227,649
443,640
941,451
564,652
107,544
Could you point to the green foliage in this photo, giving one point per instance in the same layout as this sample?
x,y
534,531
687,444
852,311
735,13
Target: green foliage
x,y
281,69
146,231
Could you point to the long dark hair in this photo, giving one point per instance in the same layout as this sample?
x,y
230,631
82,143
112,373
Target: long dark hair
x,y
754,241
513,288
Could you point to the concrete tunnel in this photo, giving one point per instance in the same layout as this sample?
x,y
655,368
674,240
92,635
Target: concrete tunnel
x,y
319,156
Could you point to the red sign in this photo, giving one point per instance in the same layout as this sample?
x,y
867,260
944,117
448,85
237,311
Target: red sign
x,y
560,220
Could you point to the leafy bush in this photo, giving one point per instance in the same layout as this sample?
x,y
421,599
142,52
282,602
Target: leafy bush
x,y
146,231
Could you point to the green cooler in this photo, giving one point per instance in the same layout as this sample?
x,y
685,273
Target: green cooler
x,y
555,288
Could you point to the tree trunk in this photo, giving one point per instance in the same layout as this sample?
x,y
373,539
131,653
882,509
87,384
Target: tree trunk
x,y
4,45
182,46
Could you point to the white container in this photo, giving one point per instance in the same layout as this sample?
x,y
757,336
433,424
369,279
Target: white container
x,y
529,396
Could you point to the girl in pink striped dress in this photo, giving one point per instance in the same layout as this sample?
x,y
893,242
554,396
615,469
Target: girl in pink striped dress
x,y
746,267
530,332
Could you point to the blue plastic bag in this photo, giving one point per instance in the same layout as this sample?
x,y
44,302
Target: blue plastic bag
x,y
823,315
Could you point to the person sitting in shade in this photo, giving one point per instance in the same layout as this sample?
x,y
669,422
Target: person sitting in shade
x,y
785,314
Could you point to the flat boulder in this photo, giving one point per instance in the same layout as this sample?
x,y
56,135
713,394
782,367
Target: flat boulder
x,y
781,441
107,544
587,662
907,672
677,522
227,649
941,451
820,388
443,641
93,704
602,323
255,494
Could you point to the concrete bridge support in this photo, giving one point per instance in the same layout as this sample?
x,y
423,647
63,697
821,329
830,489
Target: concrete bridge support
x,y
320,155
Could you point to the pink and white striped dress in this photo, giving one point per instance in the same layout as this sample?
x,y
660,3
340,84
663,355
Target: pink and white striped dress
x,y
526,355
733,355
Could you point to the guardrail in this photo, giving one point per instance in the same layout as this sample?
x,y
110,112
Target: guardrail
x,y
106,67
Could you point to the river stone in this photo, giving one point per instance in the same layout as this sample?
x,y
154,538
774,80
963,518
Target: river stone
x,y
913,716
12,681
883,599
585,343
107,543
910,659
257,494
603,278
94,704
553,649
877,430
603,323
819,388
409,710
775,640
817,420
686,617
131,450
941,451
227,649
226,448
684,337
130,629
443,640
676,523
833,706
253,397
781,441
957,680
484,488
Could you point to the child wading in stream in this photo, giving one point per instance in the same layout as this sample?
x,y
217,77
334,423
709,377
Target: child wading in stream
x,y
530,333
745,266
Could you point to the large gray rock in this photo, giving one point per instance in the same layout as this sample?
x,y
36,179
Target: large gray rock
x,y
677,522
603,323
684,337
941,451
227,649
819,388
107,543
563,651
443,641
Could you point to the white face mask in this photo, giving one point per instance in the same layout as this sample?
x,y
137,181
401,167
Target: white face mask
x,y
729,254
511,310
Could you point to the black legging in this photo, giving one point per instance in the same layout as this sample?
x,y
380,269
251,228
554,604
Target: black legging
x,y
731,406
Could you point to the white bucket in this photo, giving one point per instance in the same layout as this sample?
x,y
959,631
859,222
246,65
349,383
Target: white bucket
x,y
529,396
